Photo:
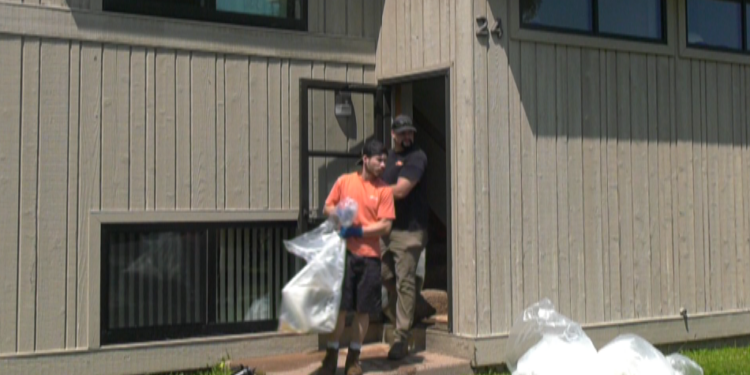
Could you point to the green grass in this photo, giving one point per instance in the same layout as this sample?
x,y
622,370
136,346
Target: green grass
x,y
726,361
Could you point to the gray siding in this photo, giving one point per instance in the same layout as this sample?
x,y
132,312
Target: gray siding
x,y
617,182
136,129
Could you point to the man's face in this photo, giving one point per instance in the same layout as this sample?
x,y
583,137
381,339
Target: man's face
x,y
404,138
375,165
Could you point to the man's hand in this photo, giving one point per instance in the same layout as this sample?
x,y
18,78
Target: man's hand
x,y
353,231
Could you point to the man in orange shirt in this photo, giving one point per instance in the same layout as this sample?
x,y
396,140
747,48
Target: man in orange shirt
x,y
361,289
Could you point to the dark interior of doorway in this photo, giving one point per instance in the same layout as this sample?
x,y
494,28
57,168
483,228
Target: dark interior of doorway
x,y
428,109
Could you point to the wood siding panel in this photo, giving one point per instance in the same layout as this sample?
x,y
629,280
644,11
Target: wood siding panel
x,y
165,131
613,188
481,173
698,183
258,133
547,173
115,127
355,18
286,151
529,174
203,132
90,173
237,135
737,151
275,147
563,226
665,188
150,129
221,115
335,16
498,101
431,31
575,187
654,305
183,122
297,70
52,198
624,179
726,188
417,43
27,257
592,188
516,188
138,129
10,171
640,164
72,223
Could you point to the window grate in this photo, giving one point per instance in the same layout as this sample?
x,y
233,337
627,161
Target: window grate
x,y
166,281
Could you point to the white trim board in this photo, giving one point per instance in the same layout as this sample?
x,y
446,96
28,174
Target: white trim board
x,y
490,351
150,358
153,32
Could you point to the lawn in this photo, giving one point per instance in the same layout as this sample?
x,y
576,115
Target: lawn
x,y
727,361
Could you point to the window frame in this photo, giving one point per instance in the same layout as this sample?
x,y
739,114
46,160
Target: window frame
x,y
169,11
664,40
743,24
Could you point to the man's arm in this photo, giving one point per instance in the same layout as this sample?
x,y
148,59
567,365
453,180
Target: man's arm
x,y
410,175
378,229
403,187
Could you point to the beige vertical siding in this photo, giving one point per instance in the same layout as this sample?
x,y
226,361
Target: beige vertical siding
x,y
627,177
132,129
416,35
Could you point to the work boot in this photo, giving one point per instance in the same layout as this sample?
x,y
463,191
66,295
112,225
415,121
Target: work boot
x,y
352,366
330,362
399,350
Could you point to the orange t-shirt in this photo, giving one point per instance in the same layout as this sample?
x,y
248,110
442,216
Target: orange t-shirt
x,y
375,202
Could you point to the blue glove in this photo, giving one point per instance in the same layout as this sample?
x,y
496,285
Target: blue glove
x,y
353,231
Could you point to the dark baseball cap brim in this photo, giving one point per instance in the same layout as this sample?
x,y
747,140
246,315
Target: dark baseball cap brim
x,y
404,128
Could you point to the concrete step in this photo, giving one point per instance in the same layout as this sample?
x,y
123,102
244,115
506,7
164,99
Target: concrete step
x,y
374,360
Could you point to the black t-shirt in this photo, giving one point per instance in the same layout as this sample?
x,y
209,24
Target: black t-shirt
x,y
412,211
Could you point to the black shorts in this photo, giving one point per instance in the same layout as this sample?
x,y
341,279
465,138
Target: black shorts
x,y
362,283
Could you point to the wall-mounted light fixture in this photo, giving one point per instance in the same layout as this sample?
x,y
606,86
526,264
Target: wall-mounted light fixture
x,y
343,102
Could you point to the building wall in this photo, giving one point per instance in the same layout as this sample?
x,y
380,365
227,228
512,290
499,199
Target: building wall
x,y
417,35
609,177
110,112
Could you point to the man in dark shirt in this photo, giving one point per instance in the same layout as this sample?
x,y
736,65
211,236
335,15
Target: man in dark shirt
x,y
403,246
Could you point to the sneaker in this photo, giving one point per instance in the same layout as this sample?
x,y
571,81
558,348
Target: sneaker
x,y
330,362
352,366
399,350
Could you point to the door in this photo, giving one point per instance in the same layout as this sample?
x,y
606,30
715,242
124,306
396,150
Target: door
x,y
336,119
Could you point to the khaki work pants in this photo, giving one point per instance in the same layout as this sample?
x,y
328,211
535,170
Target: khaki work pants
x,y
400,258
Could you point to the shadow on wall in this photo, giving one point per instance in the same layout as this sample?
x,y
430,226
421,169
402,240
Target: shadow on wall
x,y
571,92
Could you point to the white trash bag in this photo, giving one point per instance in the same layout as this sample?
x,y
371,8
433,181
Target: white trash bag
x,y
543,342
310,301
683,365
630,354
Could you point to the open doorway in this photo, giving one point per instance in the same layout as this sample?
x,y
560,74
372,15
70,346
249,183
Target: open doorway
x,y
426,100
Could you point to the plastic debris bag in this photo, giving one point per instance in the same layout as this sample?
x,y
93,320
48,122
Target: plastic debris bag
x,y
542,342
310,301
683,365
630,354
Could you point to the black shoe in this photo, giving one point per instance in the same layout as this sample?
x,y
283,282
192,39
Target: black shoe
x,y
330,362
352,366
399,350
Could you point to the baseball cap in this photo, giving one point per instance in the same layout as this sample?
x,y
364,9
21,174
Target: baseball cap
x,y
371,148
403,123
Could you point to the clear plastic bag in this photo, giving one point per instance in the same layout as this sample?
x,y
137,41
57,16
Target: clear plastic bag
x,y
542,342
310,301
683,365
346,211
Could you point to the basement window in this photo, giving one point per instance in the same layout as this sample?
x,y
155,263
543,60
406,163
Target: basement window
x,y
171,281
281,14
717,25
643,20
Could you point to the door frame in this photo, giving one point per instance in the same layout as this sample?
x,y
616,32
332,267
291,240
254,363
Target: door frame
x,y
444,72
305,153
